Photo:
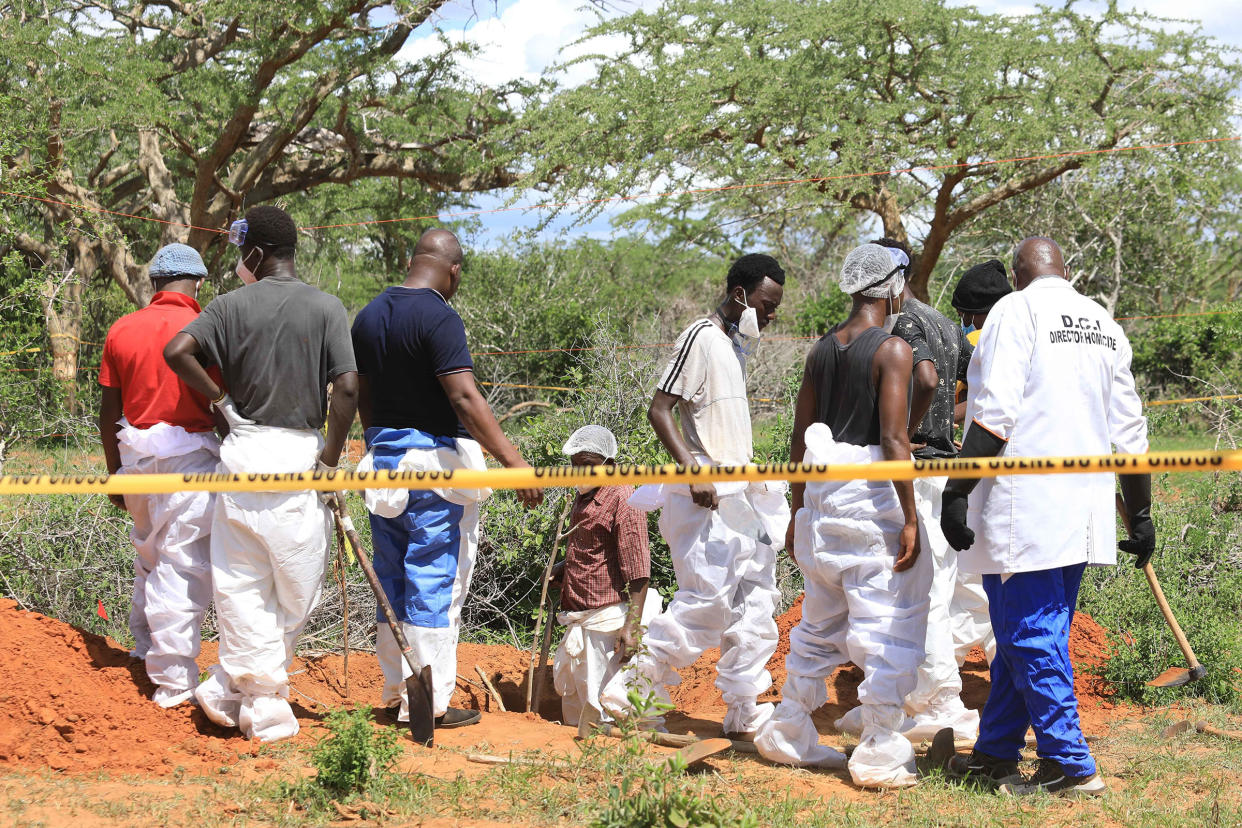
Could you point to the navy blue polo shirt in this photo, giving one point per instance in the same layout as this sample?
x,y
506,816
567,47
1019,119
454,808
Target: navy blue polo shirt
x,y
405,339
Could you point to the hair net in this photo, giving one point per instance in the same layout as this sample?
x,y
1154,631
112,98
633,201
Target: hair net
x,y
593,438
868,264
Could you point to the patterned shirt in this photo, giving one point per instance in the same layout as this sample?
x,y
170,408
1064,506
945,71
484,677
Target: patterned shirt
x,y
933,336
607,551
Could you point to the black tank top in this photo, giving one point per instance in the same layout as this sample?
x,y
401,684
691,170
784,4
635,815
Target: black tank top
x,y
845,396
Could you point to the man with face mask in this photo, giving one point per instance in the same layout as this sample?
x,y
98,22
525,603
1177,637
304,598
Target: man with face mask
x,y
421,411
605,601
150,422
279,343
856,542
722,537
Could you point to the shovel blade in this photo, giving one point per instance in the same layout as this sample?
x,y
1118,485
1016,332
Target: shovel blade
x,y
1176,729
422,711
701,750
588,722
1172,677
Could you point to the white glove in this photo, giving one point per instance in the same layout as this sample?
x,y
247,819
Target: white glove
x,y
326,497
228,410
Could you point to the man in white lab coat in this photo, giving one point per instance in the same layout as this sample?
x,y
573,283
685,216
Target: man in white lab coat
x,y
1051,376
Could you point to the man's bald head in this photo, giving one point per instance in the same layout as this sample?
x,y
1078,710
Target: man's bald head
x,y
1034,257
441,244
436,262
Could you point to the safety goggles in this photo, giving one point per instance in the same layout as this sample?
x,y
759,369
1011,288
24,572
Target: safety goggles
x,y
898,269
237,232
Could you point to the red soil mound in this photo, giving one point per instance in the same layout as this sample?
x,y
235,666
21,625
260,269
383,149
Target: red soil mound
x,y
75,701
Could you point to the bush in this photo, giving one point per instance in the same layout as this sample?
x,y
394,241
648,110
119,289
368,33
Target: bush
x,y
1189,355
355,755
655,794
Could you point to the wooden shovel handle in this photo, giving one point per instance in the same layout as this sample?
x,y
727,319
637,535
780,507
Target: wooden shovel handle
x,y
1191,661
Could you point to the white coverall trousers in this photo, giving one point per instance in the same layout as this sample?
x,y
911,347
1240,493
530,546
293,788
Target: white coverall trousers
x,y
856,609
957,620
726,596
172,566
587,657
268,554
423,555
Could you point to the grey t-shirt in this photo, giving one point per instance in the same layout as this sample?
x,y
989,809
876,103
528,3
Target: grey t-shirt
x,y
933,336
278,342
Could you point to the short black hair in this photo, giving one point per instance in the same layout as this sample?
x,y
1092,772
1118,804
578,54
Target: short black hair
x,y
885,241
749,271
272,229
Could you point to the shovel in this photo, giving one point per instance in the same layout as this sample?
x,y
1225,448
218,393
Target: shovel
x,y
1174,676
418,685
1178,728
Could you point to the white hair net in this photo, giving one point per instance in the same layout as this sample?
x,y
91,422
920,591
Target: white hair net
x,y
593,438
865,267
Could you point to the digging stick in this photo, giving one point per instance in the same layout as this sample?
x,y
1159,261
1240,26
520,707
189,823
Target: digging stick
x,y
490,688
1174,676
543,599
553,603
340,563
418,685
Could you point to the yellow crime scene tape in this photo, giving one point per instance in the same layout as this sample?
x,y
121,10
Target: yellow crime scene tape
x,y
565,476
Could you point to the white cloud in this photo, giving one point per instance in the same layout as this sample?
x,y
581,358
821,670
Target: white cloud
x,y
521,40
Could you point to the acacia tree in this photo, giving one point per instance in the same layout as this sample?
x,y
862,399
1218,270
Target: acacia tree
x,y
711,94
188,111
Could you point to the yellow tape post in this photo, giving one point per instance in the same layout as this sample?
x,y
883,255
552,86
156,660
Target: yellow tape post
x,y
565,476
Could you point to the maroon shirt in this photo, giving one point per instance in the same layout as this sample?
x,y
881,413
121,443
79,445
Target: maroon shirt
x,y
607,551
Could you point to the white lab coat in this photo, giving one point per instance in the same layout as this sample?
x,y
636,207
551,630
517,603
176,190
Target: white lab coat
x,y
1051,375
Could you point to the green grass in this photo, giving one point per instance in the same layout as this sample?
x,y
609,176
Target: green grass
x,y
1190,780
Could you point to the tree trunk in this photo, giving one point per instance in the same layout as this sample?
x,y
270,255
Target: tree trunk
x,y
62,313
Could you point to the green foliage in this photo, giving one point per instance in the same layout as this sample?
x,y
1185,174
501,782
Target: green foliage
x,y
816,314
707,92
356,755
1188,356
645,794
1199,533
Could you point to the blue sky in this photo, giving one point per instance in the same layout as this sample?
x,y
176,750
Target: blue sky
x,y
522,38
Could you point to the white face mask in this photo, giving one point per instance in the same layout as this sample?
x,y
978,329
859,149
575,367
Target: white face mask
x,y
891,319
244,272
584,489
745,335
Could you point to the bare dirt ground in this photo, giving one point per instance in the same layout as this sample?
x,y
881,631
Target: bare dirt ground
x,y
75,703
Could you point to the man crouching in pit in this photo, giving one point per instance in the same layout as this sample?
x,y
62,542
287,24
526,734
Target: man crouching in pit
x,y
856,541
604,596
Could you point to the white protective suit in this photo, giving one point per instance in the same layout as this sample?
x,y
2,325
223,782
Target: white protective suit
x,y
436,646
587,658
268,554
1036,338
957,620
726,596
172,562
856,609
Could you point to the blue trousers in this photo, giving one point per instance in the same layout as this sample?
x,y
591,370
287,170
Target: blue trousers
x,y
1032,678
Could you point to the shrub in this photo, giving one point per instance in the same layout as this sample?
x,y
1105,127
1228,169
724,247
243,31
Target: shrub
x,y
355,755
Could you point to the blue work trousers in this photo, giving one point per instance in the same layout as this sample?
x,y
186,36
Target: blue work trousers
x,y
1032,678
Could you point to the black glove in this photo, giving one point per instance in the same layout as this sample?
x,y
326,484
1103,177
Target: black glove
x,y
979,442
1136,493
953,520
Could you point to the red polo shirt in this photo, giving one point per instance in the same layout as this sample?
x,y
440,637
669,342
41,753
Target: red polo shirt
x,y
133,361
